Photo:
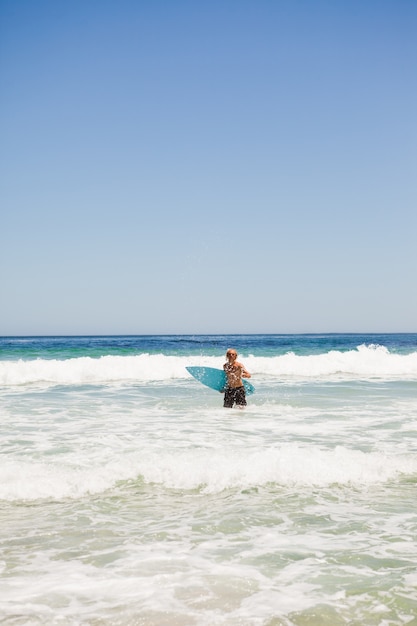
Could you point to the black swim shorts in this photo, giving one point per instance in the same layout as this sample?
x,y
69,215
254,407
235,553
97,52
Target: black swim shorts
x,y
234,395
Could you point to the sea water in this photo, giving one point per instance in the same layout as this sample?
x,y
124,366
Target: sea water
x,y
130,496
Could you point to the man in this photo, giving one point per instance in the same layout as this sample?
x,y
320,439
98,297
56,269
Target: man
x,y
235,391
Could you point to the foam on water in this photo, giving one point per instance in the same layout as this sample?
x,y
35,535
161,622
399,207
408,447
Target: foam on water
x,y
211,471
364,362
130,496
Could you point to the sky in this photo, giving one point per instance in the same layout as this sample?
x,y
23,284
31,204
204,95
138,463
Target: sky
x,y
210,166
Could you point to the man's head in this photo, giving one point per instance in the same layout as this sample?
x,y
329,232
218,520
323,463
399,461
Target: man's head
x,y
231,354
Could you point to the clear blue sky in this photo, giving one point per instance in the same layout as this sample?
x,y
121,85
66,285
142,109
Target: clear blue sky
x,y
208,166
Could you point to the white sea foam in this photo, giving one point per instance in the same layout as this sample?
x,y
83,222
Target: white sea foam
x,y
363,362
211,471
130,495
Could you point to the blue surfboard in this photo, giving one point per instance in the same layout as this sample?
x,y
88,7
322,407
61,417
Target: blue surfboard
x,y
214,378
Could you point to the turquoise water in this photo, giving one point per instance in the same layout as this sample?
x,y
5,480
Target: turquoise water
x,y
129,496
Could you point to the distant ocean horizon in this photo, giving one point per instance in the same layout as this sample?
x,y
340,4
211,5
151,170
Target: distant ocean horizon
x,y
130,496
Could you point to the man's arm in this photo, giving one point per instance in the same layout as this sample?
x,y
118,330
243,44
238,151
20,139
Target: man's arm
x,y
245,373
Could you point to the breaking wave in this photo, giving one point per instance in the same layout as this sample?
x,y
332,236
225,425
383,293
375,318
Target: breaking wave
x,y
363,362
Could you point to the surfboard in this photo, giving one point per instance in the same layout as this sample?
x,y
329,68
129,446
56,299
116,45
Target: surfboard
x,y
214,378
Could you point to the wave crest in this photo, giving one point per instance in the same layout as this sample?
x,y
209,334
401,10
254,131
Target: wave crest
x,y
210,471
363,362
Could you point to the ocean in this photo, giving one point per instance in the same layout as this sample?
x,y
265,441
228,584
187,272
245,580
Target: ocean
x,y
130,496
